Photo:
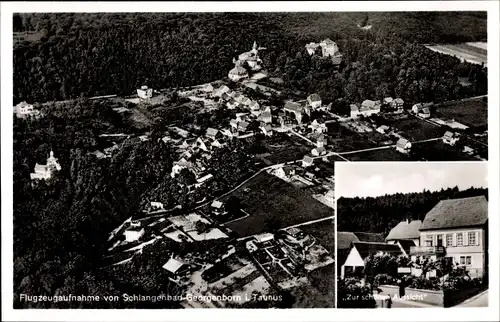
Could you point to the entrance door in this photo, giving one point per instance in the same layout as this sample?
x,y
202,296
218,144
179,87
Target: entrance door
x,y
439,240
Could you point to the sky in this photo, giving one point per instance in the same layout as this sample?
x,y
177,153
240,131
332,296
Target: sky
x,y
371,179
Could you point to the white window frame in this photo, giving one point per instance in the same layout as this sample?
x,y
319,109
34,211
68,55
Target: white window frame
x,y
460,243
468,260
462,258
450,236
472,234
429,241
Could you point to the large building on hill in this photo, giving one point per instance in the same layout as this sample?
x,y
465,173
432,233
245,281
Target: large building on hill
x,y
328,49
46,171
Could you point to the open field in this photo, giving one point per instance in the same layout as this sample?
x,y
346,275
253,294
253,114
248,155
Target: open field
x,y
273,204
439,151
465,52
389,154
415,129
285,149
473,113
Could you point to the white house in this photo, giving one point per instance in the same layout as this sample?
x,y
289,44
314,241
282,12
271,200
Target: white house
x,y
45,171
133,233
450,138
24,110
318,151
307,161
157,205
359,251
177,269
403,146
314,100
262,238
458,229
382,129
285,172
144,92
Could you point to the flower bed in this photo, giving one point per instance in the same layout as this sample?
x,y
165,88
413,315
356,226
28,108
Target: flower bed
x,y
458,289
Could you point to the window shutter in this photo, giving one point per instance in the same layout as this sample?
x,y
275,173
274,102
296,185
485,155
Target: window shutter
x,y
454,239
466,239
477,238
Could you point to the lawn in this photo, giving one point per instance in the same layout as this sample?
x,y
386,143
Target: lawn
x,y
473,113
415,129
341,139
284,149
273,204
324,231
438,151
389,154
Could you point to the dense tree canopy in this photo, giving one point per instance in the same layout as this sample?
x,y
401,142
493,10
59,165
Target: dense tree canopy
x,y
97,54
381,214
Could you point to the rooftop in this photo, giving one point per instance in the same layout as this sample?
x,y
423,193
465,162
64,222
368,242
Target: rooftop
x,y
454,213
366,249
405,230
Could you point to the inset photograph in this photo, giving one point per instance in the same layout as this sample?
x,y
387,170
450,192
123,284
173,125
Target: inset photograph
x,y
412,235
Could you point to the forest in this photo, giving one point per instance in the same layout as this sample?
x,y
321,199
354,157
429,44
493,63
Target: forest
x,y
99,54
381,214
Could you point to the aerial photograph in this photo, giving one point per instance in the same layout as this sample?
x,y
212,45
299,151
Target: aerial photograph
x,y
418,245
187,160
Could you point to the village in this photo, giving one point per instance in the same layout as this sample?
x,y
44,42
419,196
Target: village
x,y
302,140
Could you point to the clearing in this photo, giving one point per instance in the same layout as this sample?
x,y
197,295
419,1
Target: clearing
x,y
473,113
465,52
273,204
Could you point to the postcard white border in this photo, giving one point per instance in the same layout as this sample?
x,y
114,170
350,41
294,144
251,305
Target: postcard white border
x,y
466,314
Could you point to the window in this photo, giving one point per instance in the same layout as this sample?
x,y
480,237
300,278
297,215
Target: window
x,y
460,239
449,240
428,241
465,260
472,239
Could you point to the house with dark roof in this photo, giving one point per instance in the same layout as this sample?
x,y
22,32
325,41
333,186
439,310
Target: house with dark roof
x,y
346,238
458,229
359,251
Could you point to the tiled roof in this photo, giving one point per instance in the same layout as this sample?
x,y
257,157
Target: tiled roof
x,y
295,107
212,131
454,213
344,239
402,143
405,230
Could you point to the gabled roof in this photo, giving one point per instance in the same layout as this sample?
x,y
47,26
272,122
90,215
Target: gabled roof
x,y
238,70
292,106
454,213
212,132
366,249
405,230
173,265
399,100
345,238
216,204
354,107
448,134
425,110
388,100
314,98
402,143
368,103
308,159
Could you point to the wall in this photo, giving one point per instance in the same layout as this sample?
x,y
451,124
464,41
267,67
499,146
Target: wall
x,y
475,251
425,296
